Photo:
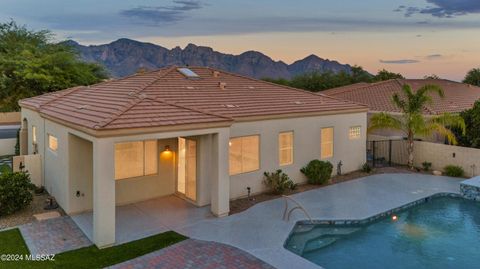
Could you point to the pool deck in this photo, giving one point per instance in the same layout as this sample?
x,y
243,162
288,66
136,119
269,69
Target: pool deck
x,y
261,231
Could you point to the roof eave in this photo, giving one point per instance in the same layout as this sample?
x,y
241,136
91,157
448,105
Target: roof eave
x,y
101,133
301,115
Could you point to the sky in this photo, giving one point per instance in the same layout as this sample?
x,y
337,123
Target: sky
x,y
412,37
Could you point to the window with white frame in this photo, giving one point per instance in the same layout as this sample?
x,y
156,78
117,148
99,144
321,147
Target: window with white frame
x,y
326,146
354,132
244,154
52,143
285,148
135,159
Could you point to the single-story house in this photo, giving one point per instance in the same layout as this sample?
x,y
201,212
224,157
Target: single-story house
x,y
378,97
202,134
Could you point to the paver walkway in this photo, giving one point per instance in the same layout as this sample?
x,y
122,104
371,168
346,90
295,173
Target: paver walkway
x,y
195,254
53,236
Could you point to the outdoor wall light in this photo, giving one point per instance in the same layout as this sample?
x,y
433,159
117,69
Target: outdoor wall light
x,y
167,148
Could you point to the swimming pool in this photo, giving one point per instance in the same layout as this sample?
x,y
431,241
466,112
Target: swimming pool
x,y
441,233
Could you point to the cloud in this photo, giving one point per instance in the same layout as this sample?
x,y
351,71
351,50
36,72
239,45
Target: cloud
x,y
162,14
443,8
400,61
434,56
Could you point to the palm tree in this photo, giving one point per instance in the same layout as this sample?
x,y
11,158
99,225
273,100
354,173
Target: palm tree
x,y
412,122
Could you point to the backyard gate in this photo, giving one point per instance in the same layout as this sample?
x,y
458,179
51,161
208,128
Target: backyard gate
x,y
383,153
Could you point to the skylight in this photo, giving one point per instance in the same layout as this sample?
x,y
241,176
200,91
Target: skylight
x,y
188,73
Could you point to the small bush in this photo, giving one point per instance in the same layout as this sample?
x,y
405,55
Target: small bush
x,y
426,166
278,182
366,168
5,168
454,171
15,192
317,172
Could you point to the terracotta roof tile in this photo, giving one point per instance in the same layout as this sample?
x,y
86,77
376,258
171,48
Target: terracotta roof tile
x,y
166,97
378,96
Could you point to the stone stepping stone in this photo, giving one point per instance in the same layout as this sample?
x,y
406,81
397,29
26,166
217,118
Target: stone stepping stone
x,y
47,215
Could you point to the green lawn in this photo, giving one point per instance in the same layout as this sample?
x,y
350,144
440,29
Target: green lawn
x,y
11,242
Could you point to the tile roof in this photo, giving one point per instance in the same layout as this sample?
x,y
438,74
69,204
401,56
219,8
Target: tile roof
x,y
165,97
378,96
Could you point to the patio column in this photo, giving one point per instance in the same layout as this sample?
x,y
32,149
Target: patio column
x,y
103,193
220,195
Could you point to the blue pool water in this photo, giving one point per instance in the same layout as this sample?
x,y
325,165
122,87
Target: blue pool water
x,y
441,233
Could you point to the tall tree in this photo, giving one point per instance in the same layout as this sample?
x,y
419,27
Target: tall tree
x,y
32,64
360,75
473,77
387,75
471,138
412,122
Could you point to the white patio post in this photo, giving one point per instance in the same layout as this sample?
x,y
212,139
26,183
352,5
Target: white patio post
x,y
220,195
103,193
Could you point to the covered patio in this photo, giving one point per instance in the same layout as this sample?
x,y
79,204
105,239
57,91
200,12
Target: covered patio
x,y
146,218
125,188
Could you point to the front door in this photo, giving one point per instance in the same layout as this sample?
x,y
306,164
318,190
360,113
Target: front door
x,y
187,168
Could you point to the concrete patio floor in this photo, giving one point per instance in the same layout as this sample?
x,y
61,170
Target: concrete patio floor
x,y
143,219
261,231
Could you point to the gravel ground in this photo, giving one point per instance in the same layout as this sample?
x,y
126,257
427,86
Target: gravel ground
x,y
243,204
26,215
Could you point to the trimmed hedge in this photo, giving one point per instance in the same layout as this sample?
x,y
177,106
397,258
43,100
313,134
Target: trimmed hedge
x,y
317,172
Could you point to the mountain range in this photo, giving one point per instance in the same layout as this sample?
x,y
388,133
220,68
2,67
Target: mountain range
x,y
125,57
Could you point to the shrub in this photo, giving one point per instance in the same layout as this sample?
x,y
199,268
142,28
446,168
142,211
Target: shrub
x,y
454,171
5,168
317,172
15,192
366,168
278,182
426,166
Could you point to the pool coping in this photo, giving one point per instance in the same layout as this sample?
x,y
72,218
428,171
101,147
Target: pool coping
x,y
371,219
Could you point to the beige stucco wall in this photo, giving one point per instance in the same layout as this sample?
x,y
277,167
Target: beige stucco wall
x,y
7,146
147,187
10,117
306,147
63,183
55,168
441,155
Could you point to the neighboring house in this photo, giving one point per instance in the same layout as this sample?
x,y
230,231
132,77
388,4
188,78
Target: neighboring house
x,y
378,97
9,126
202,134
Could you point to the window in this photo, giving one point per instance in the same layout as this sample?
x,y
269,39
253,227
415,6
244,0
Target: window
x,y
52,143
354,132
285,148
244,154
34,134
327,143
188,72
135,159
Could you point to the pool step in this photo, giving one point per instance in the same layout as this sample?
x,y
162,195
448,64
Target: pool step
x,y
299,242
319,243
